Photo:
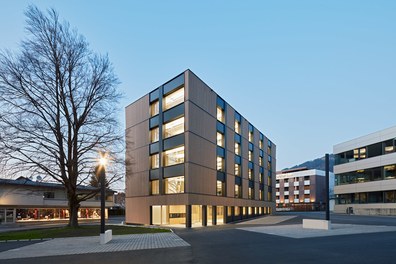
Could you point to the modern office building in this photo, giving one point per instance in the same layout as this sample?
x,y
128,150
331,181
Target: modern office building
x,y
365,170
25,200
301,189
193,160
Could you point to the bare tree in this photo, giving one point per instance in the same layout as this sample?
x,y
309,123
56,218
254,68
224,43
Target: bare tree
x,y
58,106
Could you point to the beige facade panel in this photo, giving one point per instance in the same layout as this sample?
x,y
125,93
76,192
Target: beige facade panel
x,y
245,129
245,188
138,210
200,151
136,136
230,162
138,160
230,117
230,140
204,124
201,94
367,209
230,185
137,112
201,180
137,184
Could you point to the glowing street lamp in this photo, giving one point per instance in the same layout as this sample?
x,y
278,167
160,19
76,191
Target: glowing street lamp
x,y
101,175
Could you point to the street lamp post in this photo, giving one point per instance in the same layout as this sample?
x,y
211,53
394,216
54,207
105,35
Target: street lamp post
x,y
102,180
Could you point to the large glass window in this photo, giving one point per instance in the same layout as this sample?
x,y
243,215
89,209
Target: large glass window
x,y
174,156
220,163
251,174
390,172
220,114
237,148
250,155
173,99
237,170
237,127
238,191
154,188
389,146
220,139
174,185
154,108
154,161
154,134
251,193
220,186
174,127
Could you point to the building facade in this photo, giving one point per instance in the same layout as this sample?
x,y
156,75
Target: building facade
x,y
24,200
302,189
193,160
365,170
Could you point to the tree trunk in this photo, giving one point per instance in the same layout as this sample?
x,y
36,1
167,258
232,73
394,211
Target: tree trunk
x,y
74,206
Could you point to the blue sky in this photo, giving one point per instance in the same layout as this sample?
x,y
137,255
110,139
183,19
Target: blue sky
x,y
309,74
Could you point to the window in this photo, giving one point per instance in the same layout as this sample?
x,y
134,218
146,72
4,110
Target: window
x,y
220,188
174,127
237,210
220,114
260,161
49,195
154,135
261,178
237,127
251,174
389,146
237,170
261,195
250,136
250,155
238,191
220,139
269,181
174,185
359,153
154,108
154,161
390,172
173,99
251,193
154,187
174,156
220,163
237,148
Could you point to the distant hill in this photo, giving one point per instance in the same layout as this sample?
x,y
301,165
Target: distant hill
x,y
318,164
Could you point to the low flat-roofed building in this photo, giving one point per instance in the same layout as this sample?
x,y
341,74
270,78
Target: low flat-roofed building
x,y
24,200
365,169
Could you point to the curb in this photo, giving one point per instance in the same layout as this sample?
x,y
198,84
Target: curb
x,y
25,240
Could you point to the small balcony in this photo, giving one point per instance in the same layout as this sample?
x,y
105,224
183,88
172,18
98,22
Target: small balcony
x,y
286,193
296,200
277,201
277,193
277,185
306,200
286,201
296,183
296,192
307,191
308,182
286,184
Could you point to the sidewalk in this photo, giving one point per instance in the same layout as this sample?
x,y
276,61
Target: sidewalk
x,y
84,245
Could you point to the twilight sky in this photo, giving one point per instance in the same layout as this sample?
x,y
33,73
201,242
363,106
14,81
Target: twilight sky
x,y
308,74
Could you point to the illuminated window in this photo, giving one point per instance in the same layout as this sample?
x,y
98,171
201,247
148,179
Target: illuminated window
x,y
220,114
220,188
220,163
261,177
261,144
154,188
237,170
250,155
250,136
174,156
220,139
261,195
155,161
237,148
269,196
260,161
238,191
154,135
154,108
251,193
174,99
237,127
237,210
174,127
251,174
269,181
174,185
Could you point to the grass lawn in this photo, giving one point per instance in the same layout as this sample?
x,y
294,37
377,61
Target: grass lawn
x,y
84,230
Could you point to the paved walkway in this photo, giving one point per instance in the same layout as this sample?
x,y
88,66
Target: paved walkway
x,y
84,245
268,220
297,231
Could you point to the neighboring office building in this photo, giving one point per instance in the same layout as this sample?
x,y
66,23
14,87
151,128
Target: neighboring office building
x,y
365,170
23,200
193,160
301,189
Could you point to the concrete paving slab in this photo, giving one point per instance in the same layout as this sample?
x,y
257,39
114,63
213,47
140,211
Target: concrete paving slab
x,y
268,220
297,231
84,245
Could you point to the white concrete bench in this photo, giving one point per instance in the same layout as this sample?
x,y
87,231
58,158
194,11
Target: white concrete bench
x,y
106,237
316,224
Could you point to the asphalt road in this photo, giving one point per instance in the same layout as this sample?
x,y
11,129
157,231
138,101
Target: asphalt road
x,y
229,245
